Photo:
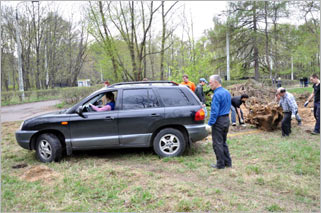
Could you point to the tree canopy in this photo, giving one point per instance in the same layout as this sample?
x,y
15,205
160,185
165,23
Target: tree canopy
x,y
132,40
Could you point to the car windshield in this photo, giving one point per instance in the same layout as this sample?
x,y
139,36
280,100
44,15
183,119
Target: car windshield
x,y
63,111
94,99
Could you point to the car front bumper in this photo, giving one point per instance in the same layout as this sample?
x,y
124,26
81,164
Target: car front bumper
x,y
23,138
197,132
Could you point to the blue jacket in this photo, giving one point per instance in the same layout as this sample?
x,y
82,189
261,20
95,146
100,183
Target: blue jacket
x,y
221,104
111,104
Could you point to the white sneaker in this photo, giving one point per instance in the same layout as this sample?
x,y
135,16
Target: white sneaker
x,y
233,124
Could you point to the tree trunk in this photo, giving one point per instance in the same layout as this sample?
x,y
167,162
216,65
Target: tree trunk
x,y
163,44
131,44
145,64
267,55
107,40
276,59
256,51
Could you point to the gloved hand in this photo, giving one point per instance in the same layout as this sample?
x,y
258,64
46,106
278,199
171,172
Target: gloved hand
x,y
292,116
306,103
208,128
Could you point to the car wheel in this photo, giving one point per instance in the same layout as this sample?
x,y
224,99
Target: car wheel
x,y
48,148
169,143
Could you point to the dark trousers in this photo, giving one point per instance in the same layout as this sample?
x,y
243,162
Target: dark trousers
x,y
286,124
316,113
219,135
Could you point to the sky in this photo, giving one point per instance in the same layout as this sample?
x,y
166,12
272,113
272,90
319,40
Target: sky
x,y
202,12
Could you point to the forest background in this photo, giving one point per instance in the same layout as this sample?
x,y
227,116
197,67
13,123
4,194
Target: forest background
x,y
131,40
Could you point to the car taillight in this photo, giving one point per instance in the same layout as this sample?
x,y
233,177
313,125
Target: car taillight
x,y
199,115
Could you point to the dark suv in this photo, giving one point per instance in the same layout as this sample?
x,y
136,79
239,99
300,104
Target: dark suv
x,y
158,114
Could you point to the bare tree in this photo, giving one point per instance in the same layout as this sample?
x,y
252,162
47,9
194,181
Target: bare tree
x,y
132,21
164,36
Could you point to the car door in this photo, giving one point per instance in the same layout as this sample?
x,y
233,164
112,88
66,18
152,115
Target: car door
x,y
141,113
95,129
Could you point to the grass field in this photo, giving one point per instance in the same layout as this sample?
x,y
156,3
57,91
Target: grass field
x,y
301,90
269,173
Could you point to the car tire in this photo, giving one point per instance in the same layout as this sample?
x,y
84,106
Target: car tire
x,y
169,143
48,148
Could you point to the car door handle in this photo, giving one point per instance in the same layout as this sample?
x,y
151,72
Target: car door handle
x,y
154,115
110,118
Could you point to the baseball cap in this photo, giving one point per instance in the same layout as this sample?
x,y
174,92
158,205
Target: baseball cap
x,y
203,79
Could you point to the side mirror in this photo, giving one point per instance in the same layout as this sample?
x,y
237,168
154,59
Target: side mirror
x,y
79,111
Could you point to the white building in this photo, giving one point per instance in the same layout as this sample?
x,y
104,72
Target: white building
x,y
84,83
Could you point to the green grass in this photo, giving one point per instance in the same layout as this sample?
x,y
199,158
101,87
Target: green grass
x,y
301,90
63,105
15,100
269,173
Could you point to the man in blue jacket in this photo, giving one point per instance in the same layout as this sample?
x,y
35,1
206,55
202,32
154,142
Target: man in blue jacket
x,y
220,122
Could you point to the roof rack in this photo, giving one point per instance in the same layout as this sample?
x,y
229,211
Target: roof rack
x,y
144,83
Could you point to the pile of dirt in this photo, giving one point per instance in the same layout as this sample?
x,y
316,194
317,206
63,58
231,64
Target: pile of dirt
x,y
306,113
261,109
302,98
41,172
265,117
258,93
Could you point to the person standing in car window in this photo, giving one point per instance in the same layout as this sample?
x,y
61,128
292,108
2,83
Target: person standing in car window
x,y
110,103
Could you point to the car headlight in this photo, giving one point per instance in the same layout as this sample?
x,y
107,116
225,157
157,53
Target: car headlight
x,y
20,128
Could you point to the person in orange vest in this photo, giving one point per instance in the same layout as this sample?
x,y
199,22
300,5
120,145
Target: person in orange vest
x,y
188,83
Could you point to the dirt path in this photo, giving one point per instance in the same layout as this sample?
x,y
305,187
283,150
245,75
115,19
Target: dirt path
x,y
24,111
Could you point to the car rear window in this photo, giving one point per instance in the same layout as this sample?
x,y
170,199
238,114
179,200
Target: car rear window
x,y
139,99
173,97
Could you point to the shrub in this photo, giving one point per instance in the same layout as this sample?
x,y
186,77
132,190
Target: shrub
x,y
73,95
70,95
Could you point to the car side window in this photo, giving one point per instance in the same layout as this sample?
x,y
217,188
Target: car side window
x,y
139,99
100,101
173,97
152,101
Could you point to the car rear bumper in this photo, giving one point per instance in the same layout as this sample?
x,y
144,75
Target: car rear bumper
x,y
197,132
23,138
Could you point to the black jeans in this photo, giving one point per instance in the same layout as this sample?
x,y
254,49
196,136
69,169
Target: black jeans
x,y
316,113
219,134
286,124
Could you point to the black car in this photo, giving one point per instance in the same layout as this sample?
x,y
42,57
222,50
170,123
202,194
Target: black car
x,y
158,114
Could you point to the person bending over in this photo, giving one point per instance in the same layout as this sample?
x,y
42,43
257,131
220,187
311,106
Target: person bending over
x,y
236,102
290,109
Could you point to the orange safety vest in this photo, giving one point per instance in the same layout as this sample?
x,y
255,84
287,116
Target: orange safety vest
x,y
190,84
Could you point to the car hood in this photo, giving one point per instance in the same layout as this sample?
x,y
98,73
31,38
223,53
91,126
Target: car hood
x,y
50,117
45,115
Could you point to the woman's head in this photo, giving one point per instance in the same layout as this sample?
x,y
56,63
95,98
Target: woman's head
x,y
110,96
